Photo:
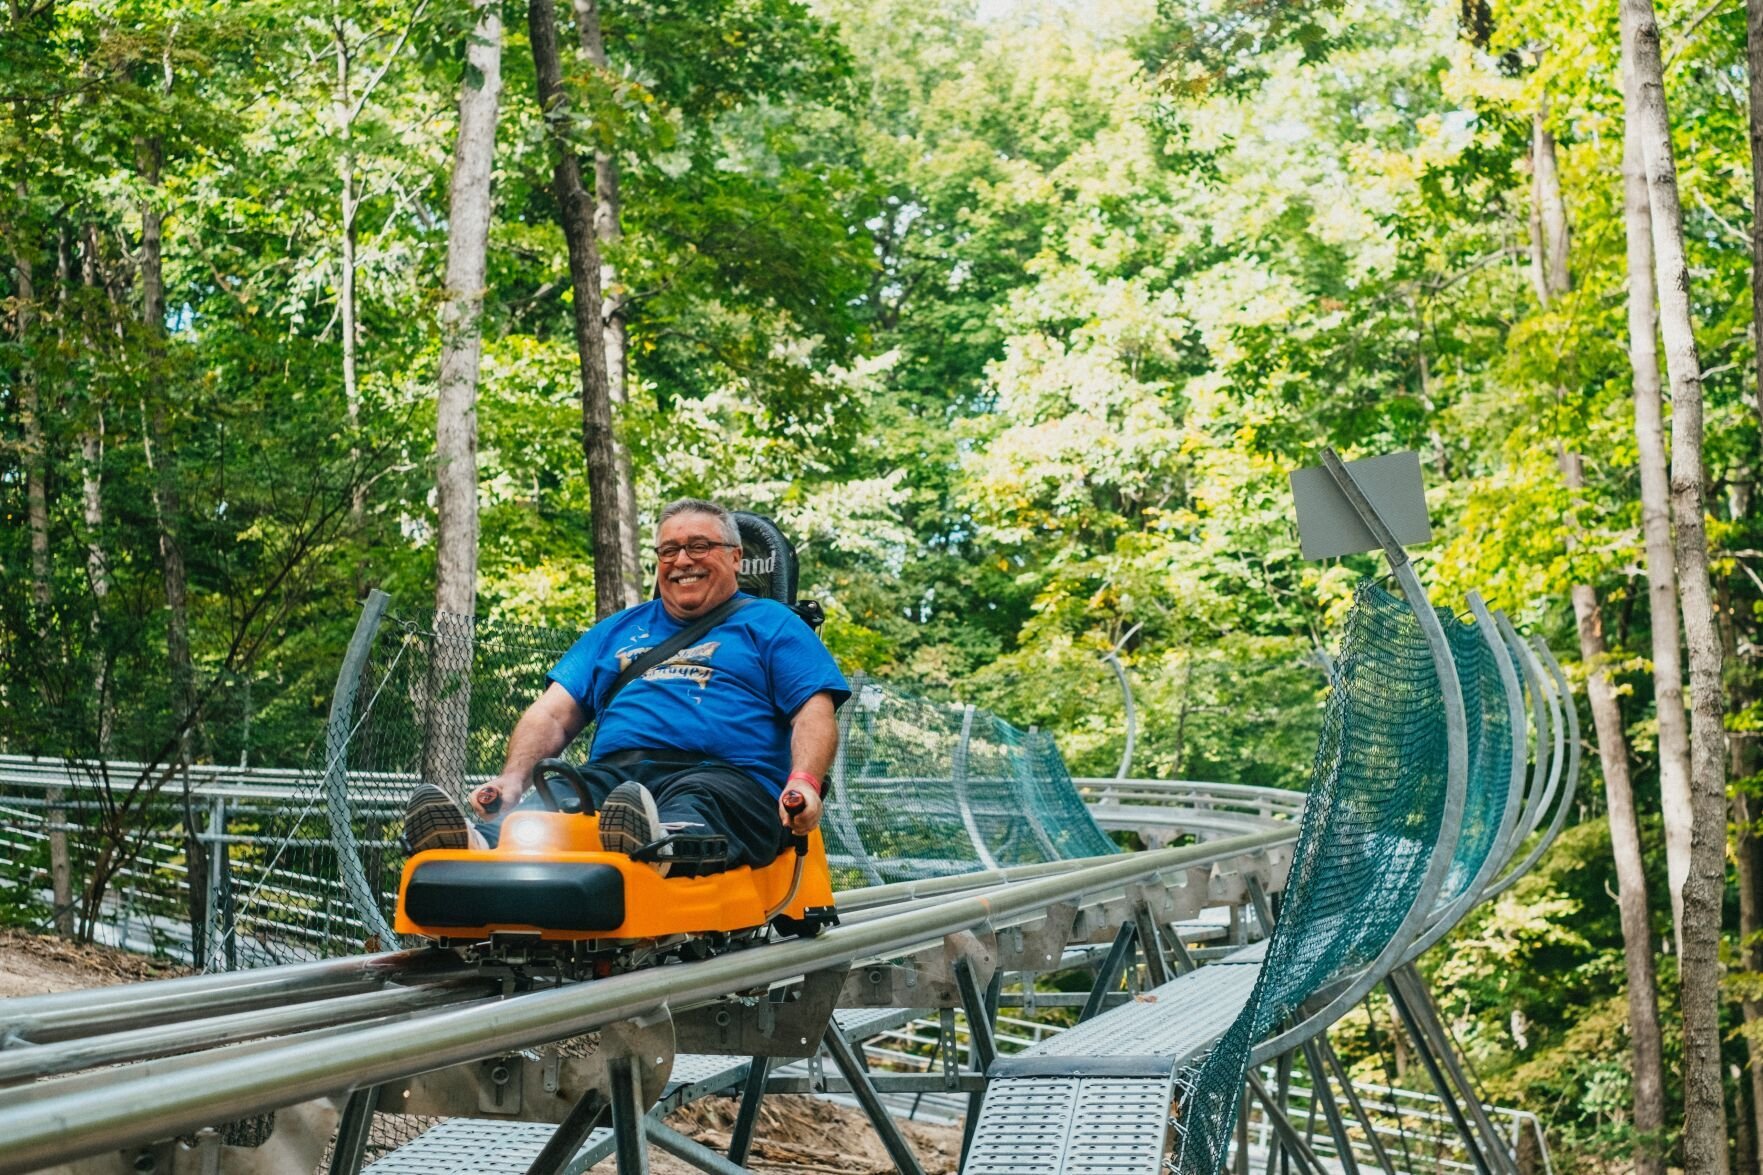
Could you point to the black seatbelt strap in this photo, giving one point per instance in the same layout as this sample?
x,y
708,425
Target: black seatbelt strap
x,y
666,649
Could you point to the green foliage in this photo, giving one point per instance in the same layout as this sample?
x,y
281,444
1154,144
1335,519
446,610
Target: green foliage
x,y
1017,324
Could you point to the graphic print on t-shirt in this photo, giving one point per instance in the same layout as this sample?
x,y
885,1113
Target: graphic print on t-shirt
x,y
690,664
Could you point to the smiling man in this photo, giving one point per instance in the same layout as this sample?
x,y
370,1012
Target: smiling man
x,y
705,741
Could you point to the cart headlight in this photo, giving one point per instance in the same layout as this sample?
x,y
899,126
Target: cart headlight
x,y
529,834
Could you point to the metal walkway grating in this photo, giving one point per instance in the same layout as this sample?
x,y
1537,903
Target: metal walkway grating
x,y
1179,1020
1036,1120
500,1146
1076,1125
479,1146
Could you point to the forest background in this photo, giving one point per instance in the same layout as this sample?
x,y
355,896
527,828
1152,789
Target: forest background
x,y
1015,319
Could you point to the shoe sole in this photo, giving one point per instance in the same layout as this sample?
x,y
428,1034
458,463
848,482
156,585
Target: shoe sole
x,y
433,821
628,819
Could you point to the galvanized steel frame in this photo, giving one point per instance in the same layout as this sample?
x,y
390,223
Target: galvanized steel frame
x,y
1456,780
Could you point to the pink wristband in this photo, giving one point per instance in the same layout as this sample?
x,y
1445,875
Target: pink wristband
x,y
813,781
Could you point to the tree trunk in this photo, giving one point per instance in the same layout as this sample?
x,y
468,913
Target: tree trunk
x,y
1754,69
92,513
341,101
468,238
1704,1097
1743,765
468,241
36,454
1631,887
167,508
576,209
1550,212
166,502
609,228
1551,206
54,815
1649,428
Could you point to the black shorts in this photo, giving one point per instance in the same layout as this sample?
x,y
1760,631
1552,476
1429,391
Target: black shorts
x,y
703,795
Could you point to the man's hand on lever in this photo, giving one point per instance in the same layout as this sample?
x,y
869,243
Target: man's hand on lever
x,y
799,807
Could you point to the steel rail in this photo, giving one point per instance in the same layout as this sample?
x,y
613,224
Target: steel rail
x,y
1561,700
140,1044
132,1109
60,1016
159,1068
1245,794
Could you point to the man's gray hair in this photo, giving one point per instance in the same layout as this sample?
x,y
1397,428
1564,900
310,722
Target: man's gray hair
x,y
731,531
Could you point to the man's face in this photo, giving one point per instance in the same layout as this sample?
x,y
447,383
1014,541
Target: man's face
x,y
691,586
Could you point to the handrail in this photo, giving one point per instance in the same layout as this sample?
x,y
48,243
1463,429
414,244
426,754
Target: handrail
x,y
1548,727
49,1125
1504,844
1571,738
1246,793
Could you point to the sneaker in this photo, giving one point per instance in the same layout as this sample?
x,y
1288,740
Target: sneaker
x,y
628,819
433,821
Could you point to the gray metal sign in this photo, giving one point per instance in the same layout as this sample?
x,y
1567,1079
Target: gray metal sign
x,y
1328,526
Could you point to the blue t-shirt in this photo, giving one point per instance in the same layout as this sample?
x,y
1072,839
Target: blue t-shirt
x,y
729,696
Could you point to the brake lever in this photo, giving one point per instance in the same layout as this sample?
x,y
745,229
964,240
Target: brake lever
x,y
794,802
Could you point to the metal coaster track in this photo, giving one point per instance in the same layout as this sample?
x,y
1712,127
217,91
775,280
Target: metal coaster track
x,y
70,1117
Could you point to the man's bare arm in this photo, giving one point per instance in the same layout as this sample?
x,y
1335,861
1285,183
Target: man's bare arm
x,y
814,741
548,726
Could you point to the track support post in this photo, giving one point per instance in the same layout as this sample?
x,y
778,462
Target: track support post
x,y
1424,1046
1320,1091
630,1140
572,1133
864,1091
752,1093
1113,967
350,1147
1420,1007
1151,945
1304,1158
1345,1080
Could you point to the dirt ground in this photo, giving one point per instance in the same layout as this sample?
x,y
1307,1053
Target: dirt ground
x,y
34,964
794,1134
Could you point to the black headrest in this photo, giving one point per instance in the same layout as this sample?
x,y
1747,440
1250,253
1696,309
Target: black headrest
x,y
768,559
768,566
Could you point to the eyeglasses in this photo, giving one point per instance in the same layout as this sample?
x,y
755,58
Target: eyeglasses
x,y
697,549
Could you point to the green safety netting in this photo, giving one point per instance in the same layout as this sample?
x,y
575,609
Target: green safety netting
x,y
920,788
1366,840
1489,715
